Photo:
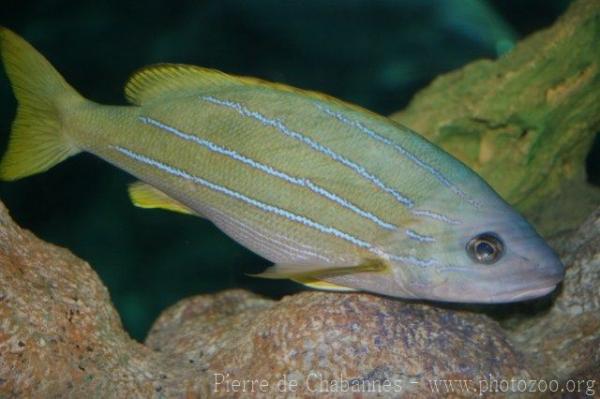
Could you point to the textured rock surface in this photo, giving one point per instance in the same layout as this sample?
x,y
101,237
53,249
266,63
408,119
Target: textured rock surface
x,y
316,336
526,121
59,333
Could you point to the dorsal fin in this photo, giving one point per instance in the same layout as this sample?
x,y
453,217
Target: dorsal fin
x,y
166,80
161,79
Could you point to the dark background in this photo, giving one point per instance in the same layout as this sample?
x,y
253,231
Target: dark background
x,y
374,53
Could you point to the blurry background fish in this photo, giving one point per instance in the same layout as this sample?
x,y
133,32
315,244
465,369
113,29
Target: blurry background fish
x,y
373,53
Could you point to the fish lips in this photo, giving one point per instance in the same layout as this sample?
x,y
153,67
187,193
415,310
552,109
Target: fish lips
x,y
483,294
527,292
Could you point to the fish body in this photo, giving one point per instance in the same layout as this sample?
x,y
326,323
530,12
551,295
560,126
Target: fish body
x,y
335,196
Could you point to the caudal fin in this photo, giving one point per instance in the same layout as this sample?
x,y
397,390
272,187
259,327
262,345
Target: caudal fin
x,y
37,140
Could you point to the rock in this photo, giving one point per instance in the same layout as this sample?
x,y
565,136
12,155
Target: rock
x,y
316,339
59,333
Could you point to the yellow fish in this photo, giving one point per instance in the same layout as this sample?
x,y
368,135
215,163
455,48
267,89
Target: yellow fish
x,y
336,196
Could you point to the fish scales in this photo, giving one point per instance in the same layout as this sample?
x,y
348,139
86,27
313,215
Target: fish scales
x,y
248,182
242,179
270,171
376,158
250,144
215,198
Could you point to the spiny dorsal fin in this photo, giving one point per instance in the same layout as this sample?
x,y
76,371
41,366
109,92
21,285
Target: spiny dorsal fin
x,y
177,80
146,196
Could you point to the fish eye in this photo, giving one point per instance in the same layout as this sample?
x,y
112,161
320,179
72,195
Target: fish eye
x,y
485,248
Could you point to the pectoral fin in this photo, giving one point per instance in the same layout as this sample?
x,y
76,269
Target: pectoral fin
x,y
317,272
146,196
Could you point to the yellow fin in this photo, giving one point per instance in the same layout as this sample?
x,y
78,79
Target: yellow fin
x,y
37,140
164,80
315,272
177,80
322,285
147,196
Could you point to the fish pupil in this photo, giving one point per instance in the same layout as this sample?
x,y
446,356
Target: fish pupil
x,y
485,248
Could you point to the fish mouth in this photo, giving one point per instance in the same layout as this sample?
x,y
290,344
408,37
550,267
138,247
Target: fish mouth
x,y
489,294
514,295
553,274
527,292
524,294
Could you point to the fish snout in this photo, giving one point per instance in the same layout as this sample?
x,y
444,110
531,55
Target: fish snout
x,y
519,281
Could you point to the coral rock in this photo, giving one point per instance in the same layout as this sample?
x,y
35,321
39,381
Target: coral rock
x,y
316,342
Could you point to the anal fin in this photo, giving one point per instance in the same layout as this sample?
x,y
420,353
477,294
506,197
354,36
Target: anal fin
x,y
144,195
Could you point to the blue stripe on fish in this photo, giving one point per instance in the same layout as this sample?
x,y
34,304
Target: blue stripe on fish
x,y
303,182
433,215
419,237
371,133
277,124
250,201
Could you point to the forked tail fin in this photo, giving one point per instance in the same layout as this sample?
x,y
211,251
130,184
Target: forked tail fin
x,y
37,140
